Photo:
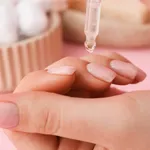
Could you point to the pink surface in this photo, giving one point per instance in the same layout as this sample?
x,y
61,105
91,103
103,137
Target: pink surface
x,y
140,57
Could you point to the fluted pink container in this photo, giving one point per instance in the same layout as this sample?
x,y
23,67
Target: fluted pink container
x,y
30,55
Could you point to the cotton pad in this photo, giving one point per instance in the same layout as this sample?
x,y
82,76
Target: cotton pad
x,y
44,4
8,24
32,19
14,2
48,5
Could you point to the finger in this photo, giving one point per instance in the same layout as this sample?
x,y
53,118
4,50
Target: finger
x,y
57,80
104,121
140,74
82,93
97,147
86,146
112,92
27,141
89,77
69,144
127,71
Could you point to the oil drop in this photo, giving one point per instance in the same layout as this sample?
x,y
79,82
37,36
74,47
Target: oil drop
x,y
90,46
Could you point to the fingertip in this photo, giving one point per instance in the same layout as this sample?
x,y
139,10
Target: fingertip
x,y
141,75
124,76
46,81
105,59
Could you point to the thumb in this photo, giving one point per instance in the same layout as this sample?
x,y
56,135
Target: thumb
x,y
104,121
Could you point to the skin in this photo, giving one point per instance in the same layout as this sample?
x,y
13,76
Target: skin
x,y
116,138
147,2
74,110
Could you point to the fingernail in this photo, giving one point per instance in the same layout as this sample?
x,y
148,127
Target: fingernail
x,y
63,70
101,72
9,116
123,68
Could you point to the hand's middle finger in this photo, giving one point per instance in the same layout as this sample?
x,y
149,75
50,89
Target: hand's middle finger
x,y
89,76
127,72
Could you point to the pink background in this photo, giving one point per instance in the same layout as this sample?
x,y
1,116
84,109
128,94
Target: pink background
x,y
141,57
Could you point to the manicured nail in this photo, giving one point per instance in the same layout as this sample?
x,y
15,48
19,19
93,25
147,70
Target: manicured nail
x,y
63,70
9,115
123,68
101,72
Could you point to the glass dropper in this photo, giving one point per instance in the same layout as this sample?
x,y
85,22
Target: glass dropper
x,y
92,23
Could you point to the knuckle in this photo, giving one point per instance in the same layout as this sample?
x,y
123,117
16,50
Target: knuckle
x,y
37,116
50,124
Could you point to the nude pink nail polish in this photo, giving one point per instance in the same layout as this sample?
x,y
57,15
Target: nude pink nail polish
x,y
9,115
63,70
123,68
101,72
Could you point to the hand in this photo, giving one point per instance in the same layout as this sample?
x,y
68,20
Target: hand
x,y
46,83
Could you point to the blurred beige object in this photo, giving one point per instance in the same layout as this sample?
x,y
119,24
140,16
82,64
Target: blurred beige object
x,y
112,32
132,11
30,55
77,5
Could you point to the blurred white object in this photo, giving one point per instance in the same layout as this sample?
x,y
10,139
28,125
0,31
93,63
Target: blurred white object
x,y
44,4
32,19
50,5
8,2
8,24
